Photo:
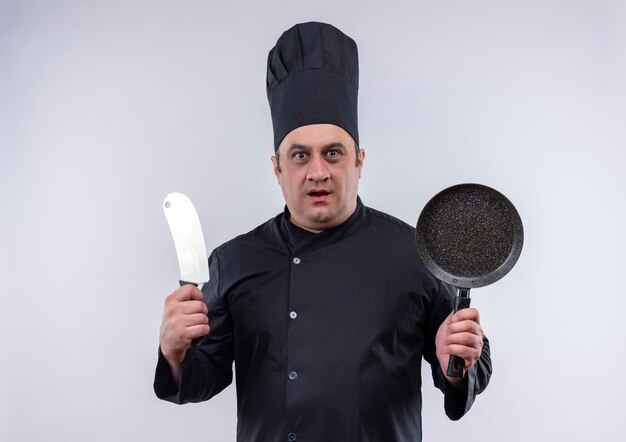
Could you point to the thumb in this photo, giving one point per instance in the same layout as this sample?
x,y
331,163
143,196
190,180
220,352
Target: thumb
x,y
451,318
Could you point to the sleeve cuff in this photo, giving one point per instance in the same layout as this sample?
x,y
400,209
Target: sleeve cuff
x,y
164,385
457,400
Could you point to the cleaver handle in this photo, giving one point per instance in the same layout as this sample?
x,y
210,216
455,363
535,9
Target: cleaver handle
x,y
195,342
456,364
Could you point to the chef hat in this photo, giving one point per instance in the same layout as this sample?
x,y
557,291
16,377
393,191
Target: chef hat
x,y
313,78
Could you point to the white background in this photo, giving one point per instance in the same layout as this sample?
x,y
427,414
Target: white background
x,y
105,107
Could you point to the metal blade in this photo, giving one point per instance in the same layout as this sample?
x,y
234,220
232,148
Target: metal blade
x,y
188,238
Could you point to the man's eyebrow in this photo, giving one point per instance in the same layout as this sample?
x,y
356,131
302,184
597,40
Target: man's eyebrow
x,y
306,147
334,146
298,146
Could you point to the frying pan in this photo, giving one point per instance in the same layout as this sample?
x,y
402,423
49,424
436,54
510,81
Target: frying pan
x,y
468,236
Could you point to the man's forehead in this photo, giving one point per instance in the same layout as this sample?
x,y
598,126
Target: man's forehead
x,y
315,136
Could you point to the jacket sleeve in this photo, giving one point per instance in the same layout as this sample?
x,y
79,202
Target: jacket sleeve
x,y
457,400
207,367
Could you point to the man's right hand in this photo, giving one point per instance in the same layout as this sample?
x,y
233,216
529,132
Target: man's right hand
x,y
184,319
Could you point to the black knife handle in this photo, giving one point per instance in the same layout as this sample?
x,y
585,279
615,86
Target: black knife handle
x,y
456,364
196,342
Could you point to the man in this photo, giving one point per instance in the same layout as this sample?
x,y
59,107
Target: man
x,y
326,309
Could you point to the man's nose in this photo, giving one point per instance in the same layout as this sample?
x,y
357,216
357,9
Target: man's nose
x,y
318,169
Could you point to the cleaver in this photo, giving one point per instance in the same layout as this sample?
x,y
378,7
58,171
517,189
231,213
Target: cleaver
x,y
186,231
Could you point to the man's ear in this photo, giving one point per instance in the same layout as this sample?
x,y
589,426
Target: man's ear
x,y
360,160
276,166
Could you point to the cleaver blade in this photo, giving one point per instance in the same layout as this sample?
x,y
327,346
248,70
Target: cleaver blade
x,y
186,231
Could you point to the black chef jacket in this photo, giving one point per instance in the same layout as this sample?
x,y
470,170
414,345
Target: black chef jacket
x,y
327,332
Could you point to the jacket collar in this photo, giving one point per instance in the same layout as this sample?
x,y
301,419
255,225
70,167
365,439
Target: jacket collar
x,y
300,240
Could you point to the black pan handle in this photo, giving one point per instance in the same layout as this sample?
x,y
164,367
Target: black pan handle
x,y
456,364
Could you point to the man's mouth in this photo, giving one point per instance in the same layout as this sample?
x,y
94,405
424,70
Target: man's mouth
x,y
319,193
318,196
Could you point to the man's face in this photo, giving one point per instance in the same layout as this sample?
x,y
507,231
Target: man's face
x,y
318,172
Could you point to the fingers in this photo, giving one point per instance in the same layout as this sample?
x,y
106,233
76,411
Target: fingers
x,y
469,354
469,340
194,319
469,314
465,327
465,336
191,307
187,292
465,320
185,314
196,331
185,300
184,319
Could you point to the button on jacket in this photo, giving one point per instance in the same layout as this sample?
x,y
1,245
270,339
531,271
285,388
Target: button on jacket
x,y
327,332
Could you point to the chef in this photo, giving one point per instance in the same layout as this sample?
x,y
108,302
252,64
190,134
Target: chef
x,y
325,309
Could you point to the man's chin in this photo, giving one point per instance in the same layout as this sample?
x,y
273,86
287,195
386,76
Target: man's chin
x,y
316,220
324,219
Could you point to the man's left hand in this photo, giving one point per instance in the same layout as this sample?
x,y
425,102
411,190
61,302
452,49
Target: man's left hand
x,y
460,334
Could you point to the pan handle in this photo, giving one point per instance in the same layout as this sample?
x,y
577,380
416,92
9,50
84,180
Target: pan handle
x,y
456,364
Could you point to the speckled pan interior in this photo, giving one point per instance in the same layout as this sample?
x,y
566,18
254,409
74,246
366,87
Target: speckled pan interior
x,y
469,235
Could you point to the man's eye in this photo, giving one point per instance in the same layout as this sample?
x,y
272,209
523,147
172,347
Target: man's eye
x,y
299,155
333,153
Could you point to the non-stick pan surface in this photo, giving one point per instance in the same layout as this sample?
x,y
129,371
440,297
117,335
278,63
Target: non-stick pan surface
x,y
469,235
